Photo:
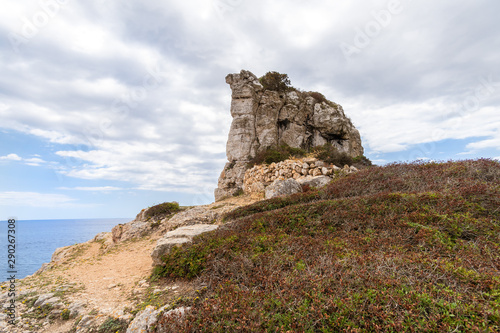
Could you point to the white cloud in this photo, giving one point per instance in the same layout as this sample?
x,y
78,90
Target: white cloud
x,y
34,199
11,157
33,161
93,189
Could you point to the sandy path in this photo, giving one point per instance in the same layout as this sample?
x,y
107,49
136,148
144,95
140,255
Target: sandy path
x,y
108,279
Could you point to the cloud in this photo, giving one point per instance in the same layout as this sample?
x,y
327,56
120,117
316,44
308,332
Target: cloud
x,y
34,199
135,91
93,189
33,161
11,157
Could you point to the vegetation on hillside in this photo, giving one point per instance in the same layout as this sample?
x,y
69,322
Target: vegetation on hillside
x,y
162,209
326,153
401,248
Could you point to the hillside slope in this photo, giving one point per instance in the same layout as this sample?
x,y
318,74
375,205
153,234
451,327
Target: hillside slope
x,y
402,248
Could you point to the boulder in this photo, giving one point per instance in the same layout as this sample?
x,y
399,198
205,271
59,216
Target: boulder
x,y
283,187
178,237
144,320
318,181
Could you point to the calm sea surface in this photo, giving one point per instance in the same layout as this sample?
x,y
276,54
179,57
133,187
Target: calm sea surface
x,y
36,240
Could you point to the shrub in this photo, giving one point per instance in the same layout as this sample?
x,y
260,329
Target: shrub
x,y
319,97
361,161
275,155
330,154
165,208
65,314
276,82
112,325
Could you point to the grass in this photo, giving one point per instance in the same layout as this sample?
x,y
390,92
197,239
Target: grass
x,y
112,325
401,248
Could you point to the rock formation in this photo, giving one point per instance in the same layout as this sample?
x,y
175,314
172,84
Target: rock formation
x,y
264,119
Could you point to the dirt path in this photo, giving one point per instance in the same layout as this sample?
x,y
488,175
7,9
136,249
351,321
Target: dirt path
x,y
108,279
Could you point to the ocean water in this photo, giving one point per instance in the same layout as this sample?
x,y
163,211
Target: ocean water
x,y
36,240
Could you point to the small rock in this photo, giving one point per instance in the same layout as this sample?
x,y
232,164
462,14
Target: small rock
x,y
76,308
144,320
42,298
317,172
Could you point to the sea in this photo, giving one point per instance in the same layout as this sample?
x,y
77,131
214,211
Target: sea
x,y
36,240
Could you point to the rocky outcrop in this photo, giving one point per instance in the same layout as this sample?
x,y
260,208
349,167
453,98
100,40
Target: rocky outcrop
x,y
178,237
264,119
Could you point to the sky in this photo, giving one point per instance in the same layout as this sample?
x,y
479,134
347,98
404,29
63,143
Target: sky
x,y
108,107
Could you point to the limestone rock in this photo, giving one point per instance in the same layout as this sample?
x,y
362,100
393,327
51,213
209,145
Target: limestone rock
x,y
43,298
178,237
318,181
76,308
144,320
263,119
283,187
195,215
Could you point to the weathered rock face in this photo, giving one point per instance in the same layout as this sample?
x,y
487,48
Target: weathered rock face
x,y
264,119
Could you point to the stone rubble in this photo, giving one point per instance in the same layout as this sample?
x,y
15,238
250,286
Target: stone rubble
x,y
307,171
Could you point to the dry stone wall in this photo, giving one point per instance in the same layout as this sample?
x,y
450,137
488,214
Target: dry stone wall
x,y
304,171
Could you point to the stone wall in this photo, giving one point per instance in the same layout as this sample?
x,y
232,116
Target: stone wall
x,y
305,171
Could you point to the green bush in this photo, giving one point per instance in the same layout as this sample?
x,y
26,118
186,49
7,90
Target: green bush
x,y
112,325
65,314
275,155
319,97
276,82
330,154
361,161
165,208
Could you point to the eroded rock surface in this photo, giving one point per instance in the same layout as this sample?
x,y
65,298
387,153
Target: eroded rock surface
x,y
178,237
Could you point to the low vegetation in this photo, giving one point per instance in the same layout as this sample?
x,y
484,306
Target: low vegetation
x,y
275,155
112,325
162,209
402,248
326,153
276,81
